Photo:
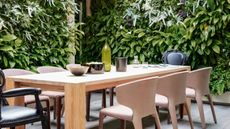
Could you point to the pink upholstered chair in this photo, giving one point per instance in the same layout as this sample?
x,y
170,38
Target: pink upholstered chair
x,y
29,99
136,100
55,95
197,87
170,93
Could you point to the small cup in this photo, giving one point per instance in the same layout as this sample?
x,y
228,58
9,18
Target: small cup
x,y
145,65
121,64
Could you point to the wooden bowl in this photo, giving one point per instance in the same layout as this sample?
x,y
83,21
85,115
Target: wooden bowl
x,y
77,69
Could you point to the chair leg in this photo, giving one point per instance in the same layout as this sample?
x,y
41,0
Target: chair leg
x,y
111,91
157,109
45,123
172,112
212,107
54,108
88,96
169,118
101,118
63,110
189,115
123,124
103,98
12,127
137,124
58,112
157,121
181,110
48,112
201,111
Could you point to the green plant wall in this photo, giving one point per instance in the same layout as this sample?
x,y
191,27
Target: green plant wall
x,y
37,32
146,29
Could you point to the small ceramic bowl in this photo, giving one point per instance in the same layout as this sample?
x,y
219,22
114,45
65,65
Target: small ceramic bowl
x,y
77,69
95,67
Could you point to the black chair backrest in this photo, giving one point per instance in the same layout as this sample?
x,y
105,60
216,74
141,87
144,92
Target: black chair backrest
x,y
2,80
174,57
2,83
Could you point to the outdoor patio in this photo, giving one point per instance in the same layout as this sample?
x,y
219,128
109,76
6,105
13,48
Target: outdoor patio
x,y
222,113
153,53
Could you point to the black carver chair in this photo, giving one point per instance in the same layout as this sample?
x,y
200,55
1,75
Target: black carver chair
x,y
12,116
174,57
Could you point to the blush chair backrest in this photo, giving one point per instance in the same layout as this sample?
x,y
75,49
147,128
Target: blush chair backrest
x,y
49,69
199,80
15,72
138,95
173,86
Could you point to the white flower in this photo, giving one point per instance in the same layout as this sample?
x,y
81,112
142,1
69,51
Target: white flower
x,y
121,27
129,32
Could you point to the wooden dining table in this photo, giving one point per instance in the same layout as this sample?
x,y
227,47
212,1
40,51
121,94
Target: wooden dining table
x,y
75,87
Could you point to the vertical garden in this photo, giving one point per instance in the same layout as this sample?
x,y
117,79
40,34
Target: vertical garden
x,y
147,28
36,32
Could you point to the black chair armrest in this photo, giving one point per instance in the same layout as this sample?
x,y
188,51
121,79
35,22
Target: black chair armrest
x,y
21,92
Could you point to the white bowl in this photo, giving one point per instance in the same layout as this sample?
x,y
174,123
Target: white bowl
x,y
77,69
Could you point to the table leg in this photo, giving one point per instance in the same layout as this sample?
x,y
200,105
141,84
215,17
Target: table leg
x,y
75,106
10,84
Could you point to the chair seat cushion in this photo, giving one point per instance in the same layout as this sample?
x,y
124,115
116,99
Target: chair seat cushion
x,y
118,111
17,113
53,94
30,98
190,93
161,100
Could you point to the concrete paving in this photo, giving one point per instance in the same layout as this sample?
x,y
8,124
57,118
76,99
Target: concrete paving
x,y
222,112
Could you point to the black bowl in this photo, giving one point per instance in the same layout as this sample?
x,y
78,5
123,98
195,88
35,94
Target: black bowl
x,y
96,68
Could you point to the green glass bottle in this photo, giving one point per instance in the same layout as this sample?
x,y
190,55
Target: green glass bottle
x,y
106,57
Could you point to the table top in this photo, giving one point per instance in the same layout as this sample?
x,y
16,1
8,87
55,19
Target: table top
x,y
62,78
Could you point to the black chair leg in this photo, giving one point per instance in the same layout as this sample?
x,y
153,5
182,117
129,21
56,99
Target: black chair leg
x,y
88,96
45,123
111,92
103,98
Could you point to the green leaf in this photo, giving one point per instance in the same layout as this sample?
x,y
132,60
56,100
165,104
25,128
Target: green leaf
x,y
137,31
9,37
203,46
207,51
142,58
216,49
6,48
141,34
138,48
209,42
18,42
193,43
148,39
12,64
5,61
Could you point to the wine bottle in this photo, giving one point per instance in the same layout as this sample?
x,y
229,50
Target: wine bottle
x,y
106,57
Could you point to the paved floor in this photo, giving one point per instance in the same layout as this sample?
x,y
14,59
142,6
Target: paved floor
x,y
222,112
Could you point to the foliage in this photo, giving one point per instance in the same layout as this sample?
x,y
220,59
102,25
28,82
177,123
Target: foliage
x,y
145,29
220,78
42,32
129,32
208,34
11,51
